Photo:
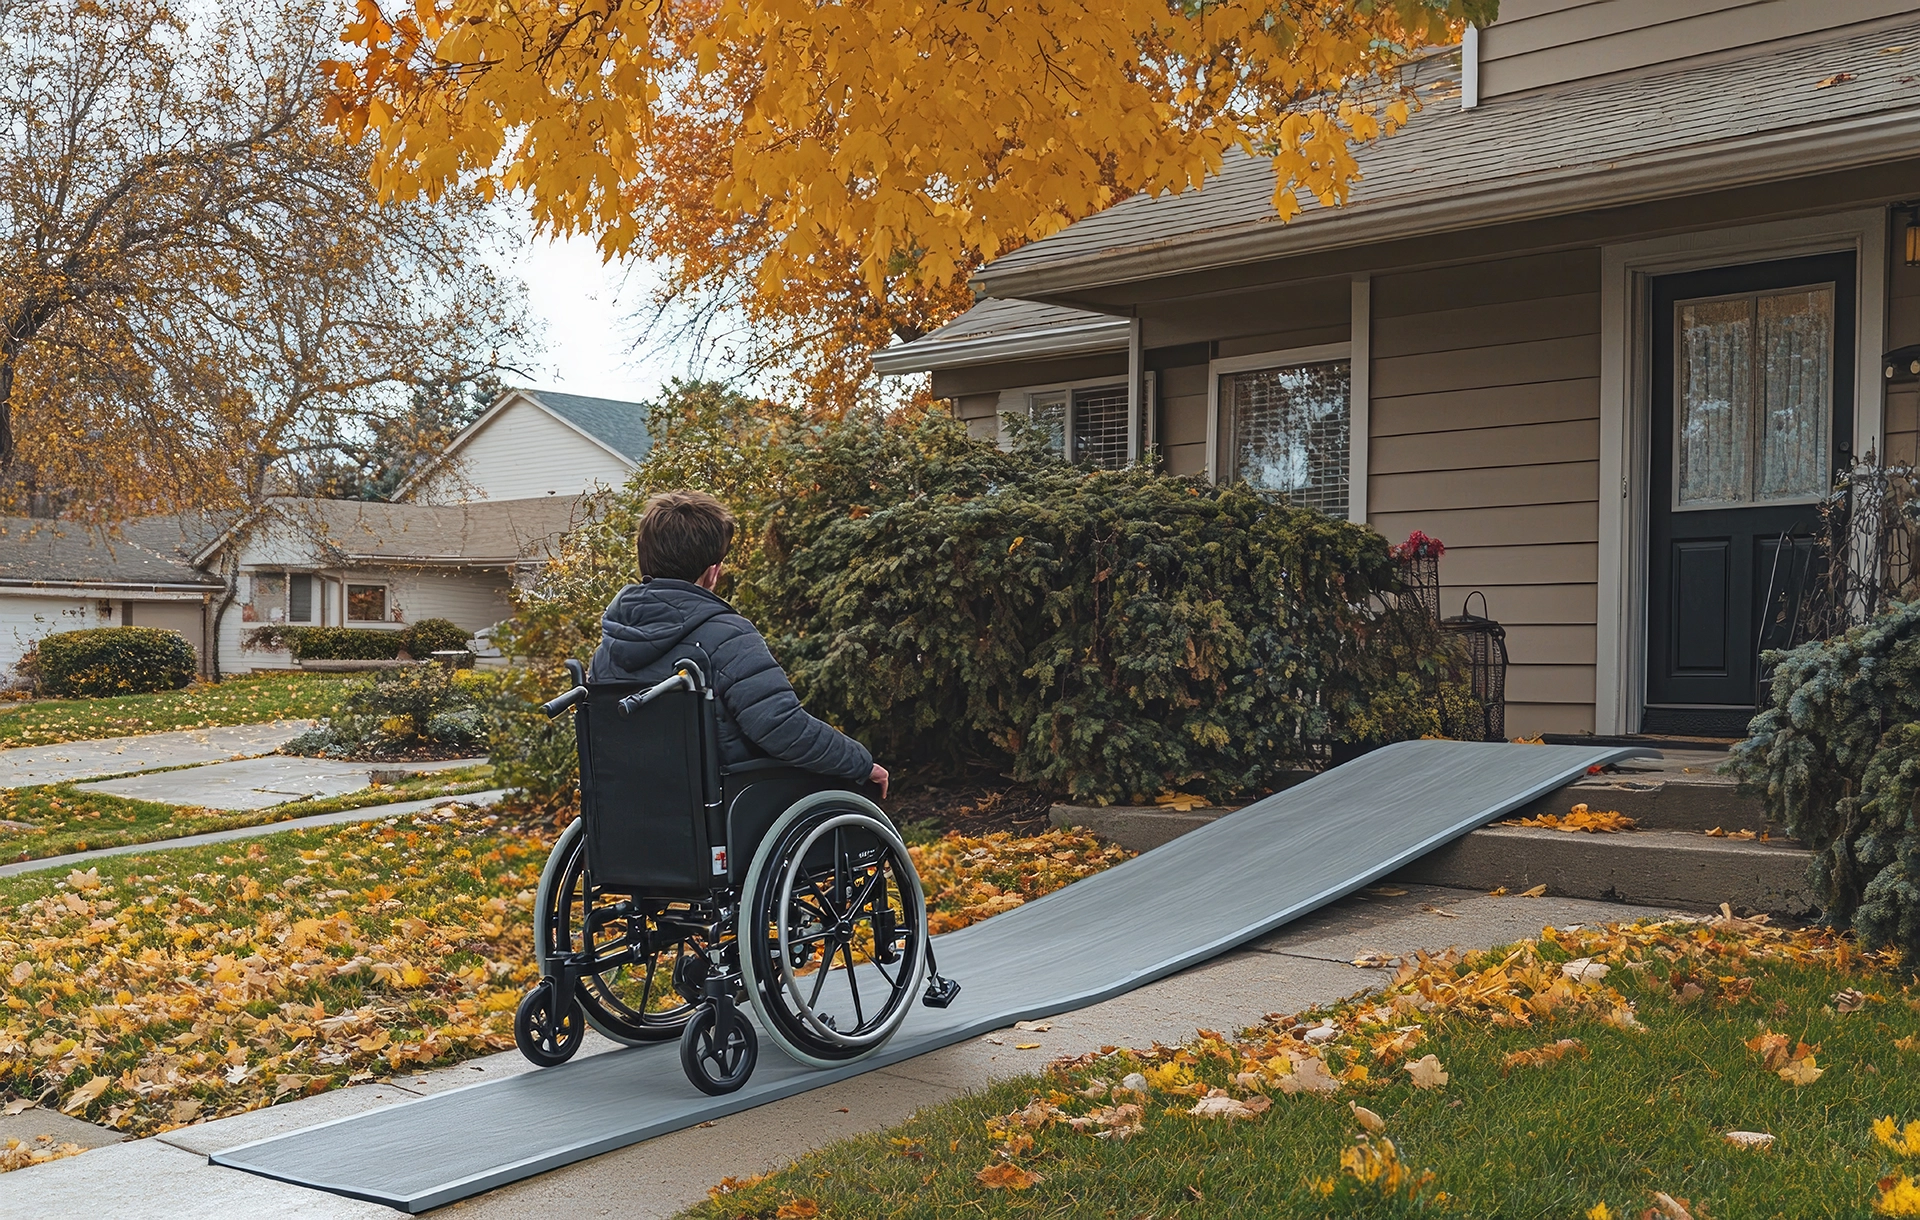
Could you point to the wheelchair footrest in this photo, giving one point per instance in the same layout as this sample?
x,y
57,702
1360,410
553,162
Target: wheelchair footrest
x,y
940,992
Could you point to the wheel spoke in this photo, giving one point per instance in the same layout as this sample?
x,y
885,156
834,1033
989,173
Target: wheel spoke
x,y
820,979
859,1018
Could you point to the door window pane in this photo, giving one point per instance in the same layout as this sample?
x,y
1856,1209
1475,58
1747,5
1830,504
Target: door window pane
x,y
1288,432
1754,398
1715,355
367,603
1796,354
1100,427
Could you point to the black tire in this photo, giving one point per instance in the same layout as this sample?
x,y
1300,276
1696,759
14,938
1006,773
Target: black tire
x,y
627,1001
548,1034
804,966
718,1061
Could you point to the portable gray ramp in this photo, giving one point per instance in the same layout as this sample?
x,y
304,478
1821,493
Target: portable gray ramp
x,y
1220,886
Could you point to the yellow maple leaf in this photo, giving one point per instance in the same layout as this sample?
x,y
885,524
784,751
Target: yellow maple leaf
x,y
1898,1197
1801,1070
1906,1141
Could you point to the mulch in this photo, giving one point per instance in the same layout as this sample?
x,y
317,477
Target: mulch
x,y
971,805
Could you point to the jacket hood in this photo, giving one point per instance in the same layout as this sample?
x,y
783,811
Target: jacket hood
x,y
646,621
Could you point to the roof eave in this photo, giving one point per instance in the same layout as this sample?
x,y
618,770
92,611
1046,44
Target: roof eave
x,y
1079,338
1751,160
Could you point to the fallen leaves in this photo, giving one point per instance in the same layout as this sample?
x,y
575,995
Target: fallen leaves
x,y
1718,833
1904,1141
1538,891
1666,1207
1309,1075
1793,1062
1899,1196
1579,819
1542,1056
968,879
1755,1141
85,1095
1370,1122
1219,1104
1849,1000
1585,970
1005,1175
1838,78
18,1154
1181,802
1427,1073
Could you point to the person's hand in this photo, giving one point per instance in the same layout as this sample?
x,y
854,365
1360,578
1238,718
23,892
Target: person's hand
x,y
879,776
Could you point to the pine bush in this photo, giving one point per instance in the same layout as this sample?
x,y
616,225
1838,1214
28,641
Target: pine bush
x,y
113,661
1836,755
330,643
431,635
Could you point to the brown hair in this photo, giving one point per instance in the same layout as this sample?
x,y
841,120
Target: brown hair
x,y
682,534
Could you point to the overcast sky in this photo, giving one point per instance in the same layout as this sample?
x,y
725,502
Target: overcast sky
x,y
588,309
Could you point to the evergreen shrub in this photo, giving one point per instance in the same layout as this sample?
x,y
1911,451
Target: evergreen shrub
x,y
1104,634
431,635
400,711
330,643
113,661
1836,755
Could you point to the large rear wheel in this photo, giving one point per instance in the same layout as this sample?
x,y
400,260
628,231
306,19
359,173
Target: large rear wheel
x,y
833,930
639,951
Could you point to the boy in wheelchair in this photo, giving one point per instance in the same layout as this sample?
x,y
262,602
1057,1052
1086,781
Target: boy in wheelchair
x,y
673,612
725,855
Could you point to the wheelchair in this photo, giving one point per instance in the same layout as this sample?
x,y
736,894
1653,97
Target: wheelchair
x,y
686,891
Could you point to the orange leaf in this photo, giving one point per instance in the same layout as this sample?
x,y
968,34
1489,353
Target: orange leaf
x,y
1007,1176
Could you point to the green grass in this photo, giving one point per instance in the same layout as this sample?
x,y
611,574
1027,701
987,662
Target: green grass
x,y
69,819
204,981
1644,1112
253,699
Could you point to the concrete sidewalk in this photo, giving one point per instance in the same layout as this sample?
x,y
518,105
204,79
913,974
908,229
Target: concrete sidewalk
x,y
258,783
1306,963
25,766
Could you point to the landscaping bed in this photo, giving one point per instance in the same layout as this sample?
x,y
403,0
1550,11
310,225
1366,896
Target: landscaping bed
x,y
240,700
65,818
156,990
1593,1072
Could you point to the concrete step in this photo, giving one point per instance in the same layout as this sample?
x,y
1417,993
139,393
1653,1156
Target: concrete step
x,y
1682,791
1675,865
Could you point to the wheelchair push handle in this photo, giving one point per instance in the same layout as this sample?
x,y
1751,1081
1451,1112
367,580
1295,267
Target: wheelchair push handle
x,y
681,680
553,707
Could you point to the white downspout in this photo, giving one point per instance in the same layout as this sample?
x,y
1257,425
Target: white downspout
x,y
1470,68
1135,386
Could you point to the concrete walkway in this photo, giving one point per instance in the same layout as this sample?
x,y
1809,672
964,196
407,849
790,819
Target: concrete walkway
x,y
25,766
1309,962
366,813
258,783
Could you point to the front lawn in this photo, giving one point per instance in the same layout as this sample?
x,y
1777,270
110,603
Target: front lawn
x,y
161,989
1593,1073
65,818
253,699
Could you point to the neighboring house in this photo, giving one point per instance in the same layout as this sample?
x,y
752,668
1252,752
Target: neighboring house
x,y
66,576
353,563
1608,321
483,517
536,443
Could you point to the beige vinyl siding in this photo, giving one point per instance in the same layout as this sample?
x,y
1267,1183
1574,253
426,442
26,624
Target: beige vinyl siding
x,y
1484,432
1539,43
1183,419
523,452
981,413
1903,329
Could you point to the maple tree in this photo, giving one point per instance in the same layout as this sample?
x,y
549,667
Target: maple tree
x,y
836,169
198,290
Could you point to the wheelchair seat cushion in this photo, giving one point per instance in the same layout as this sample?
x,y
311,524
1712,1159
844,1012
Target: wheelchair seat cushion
x,y
651,625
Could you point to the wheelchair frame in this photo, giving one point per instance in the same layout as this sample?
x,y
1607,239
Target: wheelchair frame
x,y
762,884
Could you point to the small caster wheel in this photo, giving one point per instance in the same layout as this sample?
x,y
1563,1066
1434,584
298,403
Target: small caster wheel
x,y
548,1034
718,1061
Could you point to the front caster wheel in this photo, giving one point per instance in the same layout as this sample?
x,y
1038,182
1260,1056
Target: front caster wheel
x,y
548,1033
718,1060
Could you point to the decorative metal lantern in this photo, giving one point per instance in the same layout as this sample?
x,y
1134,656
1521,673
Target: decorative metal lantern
x,y
1419,560
1485,717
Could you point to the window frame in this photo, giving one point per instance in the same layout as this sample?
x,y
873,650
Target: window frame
x,y
346,602
1018,400
1319,353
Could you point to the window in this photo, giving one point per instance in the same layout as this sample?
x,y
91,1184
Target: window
x,y
1284,427
1753,397
1087,424
269,600
366,603
299,597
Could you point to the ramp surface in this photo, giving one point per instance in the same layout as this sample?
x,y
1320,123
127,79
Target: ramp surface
x,y
1202,894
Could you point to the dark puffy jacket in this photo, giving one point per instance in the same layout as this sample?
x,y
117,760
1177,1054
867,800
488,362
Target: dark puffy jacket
x,y
651,625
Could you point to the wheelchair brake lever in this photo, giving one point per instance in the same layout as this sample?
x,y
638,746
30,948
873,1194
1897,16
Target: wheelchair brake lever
x,y
682,679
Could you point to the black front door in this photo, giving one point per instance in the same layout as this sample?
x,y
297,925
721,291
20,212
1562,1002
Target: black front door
x,y
1752,400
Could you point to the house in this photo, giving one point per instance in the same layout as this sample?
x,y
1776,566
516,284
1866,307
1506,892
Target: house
x,y
356,563
536,443
1607,317
461,533
67,576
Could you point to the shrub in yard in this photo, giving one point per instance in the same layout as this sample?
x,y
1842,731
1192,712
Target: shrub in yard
x,y
527,750
329,643
113,661
399,711
431,635
1105,634
1836,753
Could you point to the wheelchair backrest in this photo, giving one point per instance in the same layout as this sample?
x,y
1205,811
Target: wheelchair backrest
x,y
643,792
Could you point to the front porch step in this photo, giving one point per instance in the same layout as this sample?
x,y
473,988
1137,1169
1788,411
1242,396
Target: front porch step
x,y
1682,791
1681,869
